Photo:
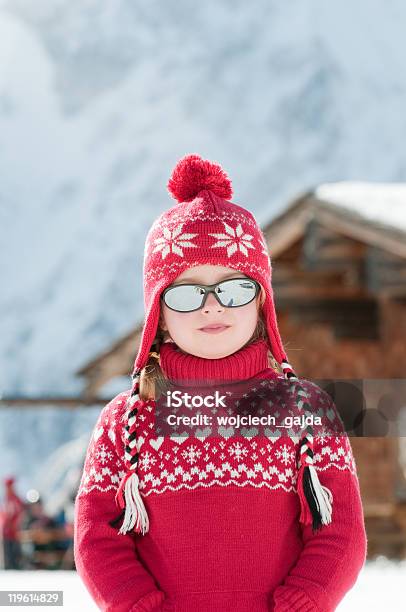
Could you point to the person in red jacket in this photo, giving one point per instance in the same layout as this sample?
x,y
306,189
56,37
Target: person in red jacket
x,y
12,511
268,518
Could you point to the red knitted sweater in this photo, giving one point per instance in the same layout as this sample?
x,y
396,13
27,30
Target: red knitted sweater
x,y
223,512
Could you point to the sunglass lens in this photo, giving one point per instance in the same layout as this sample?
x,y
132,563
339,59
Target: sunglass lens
x,y
236,292
184,298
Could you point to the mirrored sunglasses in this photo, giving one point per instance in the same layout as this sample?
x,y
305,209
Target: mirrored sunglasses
x,y
230,293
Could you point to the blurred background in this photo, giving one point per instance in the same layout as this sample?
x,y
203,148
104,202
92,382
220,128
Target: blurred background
x,y
302,103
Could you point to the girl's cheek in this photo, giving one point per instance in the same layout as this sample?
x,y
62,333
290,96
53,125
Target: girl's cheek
x,y
177,321
189,322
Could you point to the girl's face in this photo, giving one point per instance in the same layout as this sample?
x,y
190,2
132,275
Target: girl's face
x,y
186,329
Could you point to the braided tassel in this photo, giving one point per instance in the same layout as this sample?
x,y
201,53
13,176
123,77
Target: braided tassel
x,y
128,496
315,499
306,516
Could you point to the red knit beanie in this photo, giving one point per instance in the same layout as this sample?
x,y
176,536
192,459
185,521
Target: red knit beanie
x,y
205,227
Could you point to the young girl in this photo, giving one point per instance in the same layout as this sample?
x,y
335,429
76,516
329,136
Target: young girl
x,y
211,522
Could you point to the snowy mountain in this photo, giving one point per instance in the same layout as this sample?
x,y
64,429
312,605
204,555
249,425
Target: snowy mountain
x,y
98,100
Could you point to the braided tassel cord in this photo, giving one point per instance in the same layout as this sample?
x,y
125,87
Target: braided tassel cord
x,y
315,499
128,496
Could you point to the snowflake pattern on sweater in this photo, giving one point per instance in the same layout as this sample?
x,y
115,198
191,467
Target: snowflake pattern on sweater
x,y
171,463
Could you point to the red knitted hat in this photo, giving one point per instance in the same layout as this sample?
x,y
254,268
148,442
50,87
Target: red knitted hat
x,y
204,227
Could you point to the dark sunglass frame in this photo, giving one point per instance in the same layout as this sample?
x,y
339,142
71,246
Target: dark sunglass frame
x,y
211,289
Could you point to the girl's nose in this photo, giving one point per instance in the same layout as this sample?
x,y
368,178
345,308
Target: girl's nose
x,y
212,304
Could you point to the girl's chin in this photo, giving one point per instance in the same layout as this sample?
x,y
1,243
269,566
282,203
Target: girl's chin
x,y
220,353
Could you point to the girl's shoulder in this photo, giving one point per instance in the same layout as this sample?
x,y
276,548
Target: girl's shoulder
x,y
318,398
311,391
319,401
113,416
116,406
104,459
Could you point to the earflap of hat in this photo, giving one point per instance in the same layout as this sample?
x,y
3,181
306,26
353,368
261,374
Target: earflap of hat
x,y
271,323
151,318
148,333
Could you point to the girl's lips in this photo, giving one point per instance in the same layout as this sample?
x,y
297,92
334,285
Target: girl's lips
x,y
214,329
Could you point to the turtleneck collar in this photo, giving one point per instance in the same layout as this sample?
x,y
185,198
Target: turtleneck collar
x,y
248,362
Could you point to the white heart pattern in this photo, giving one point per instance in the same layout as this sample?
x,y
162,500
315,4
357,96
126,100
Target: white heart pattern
x,y
249,433
179,439
273,435
204,433
226,432
156,442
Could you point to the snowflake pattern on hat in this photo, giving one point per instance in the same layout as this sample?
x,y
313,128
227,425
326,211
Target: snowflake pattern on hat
x,y
173,241
233,240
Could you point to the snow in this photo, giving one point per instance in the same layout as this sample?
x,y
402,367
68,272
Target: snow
x,y
383,203
75,594
380,586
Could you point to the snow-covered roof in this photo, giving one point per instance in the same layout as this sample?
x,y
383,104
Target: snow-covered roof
x,y
383,203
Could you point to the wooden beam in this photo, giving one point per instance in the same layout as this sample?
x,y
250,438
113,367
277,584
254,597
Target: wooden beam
x,y
351,318
325,250
289,280
385,272
46,401
296,294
